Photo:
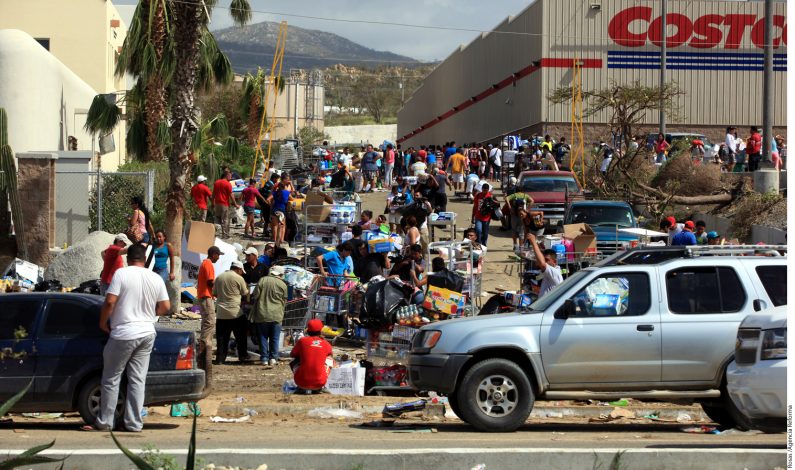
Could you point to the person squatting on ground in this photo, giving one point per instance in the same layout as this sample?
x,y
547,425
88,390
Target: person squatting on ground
x,y
310,371
136,297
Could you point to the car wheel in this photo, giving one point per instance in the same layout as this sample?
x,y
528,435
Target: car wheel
x,y
495,395
88,401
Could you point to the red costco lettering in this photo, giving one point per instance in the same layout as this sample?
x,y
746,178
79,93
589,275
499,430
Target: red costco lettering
x,y
618,29
706,35
705,32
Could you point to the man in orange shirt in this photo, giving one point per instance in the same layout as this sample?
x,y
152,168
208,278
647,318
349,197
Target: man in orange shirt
x,y
204,291
222,196
200,194
457,165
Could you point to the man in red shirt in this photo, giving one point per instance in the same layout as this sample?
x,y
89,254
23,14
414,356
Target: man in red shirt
x,y
753,147
204,292
111,257
479,216
200,194
310,353
222,196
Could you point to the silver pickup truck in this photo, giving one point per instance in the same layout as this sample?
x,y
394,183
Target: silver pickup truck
x,y
651,324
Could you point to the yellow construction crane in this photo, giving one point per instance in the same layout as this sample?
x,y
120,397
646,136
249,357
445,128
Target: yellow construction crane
x,y
577,136
266,129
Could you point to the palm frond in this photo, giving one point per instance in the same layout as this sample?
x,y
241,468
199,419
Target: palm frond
x,y
222,69
136,136
29,457
218,127
164,134
135,459
102,116
240,11
197,140
232,148
13,400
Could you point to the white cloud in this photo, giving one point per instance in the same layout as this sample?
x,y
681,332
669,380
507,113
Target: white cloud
x,y
424,44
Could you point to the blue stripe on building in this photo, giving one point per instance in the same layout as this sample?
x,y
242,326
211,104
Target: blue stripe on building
x,y
732,61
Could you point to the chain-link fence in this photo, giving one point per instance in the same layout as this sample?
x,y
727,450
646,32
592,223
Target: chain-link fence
x,y
89,200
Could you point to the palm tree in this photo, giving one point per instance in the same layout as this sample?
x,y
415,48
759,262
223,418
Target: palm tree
x,y
252,107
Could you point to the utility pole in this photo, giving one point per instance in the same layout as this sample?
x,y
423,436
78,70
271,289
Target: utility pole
x,y
663,60
767,89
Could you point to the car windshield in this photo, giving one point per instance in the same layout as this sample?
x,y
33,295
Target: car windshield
x,y
601,216
549,184
550,297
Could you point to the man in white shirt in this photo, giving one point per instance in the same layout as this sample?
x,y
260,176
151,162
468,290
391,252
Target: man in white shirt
x,y
731,141
495,158
135,298
547,263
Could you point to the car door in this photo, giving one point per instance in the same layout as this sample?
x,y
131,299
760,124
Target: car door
x,y
18,352
702,309
614,336
70,345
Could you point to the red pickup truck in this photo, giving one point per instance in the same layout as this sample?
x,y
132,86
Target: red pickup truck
x,y
552,191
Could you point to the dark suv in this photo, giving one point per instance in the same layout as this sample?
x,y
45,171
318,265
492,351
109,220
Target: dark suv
x,y
54,340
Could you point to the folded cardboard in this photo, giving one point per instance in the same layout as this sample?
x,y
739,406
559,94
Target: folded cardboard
x,y
201,236
582,236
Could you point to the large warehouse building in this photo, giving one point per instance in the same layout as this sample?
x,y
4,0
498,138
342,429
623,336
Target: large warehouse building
x,y
498,84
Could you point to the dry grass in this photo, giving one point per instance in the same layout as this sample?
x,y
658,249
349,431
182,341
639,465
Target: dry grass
x,y
680,176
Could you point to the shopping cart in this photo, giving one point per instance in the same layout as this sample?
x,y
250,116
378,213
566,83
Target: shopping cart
x,y
389,347
332,301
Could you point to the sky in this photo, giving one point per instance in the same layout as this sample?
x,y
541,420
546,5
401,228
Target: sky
x,y
423,44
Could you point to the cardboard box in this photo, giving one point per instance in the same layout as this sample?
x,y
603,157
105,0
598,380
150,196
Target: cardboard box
x,y
442,300
317,210
201,236
582,236
381,245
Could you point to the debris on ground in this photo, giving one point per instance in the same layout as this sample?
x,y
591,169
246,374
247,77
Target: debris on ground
x,y
683,418
618,413
219,419
397,409
701,430
328,412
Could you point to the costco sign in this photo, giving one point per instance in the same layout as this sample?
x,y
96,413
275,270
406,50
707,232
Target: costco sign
x,y
635,27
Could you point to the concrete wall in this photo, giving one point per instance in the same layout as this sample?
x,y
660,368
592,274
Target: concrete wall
x,y
72,221
45,100
759,233
339,135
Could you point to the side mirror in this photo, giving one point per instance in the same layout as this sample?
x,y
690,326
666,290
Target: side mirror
x,y
568,309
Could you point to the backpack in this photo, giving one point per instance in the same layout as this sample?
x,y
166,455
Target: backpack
x,y
381,301
488,205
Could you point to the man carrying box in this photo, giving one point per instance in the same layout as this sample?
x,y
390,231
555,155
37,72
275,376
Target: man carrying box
x,y
547,263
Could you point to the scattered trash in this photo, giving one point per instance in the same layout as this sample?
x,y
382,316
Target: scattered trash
x,y
414,430
554,414
289,386
653,416
735,431
43,415
622,402
618,413
250,411
327,412
480,466
397,409
240,400
701,430
218,419
184,409
683,418
144,413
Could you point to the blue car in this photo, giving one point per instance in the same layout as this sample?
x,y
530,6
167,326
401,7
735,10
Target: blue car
x,y
54,340
605,218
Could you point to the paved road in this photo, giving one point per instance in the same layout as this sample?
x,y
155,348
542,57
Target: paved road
x,y
332,444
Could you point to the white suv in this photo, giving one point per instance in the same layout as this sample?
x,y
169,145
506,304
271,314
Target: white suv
x,y
757,379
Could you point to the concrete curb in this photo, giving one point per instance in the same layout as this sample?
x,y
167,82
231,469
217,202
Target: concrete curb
x,y
666,414
453,458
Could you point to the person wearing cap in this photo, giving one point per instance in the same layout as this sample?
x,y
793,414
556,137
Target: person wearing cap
x,y
512,187
310,354
111,261
230,290
686,236
204,292
253,270
518,202
713,238
201,194
267,313
671,227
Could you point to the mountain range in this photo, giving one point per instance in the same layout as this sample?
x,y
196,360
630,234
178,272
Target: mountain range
x,y
253,46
